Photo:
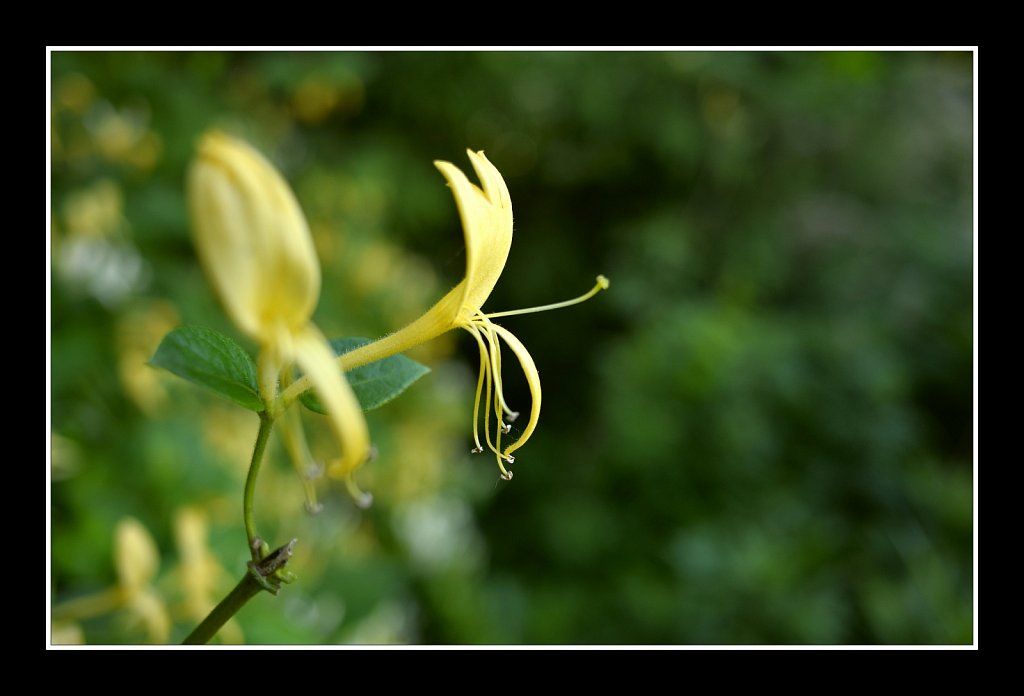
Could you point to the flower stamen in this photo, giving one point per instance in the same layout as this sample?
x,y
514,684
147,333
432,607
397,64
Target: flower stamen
x,y
362,499
294,438
484,365
486,370
488,336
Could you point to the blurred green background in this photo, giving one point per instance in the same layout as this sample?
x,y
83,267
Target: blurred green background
x,y
761,434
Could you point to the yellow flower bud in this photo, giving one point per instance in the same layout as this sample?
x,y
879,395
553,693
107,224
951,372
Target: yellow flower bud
x,y
138,560
135,556
252,238
256,249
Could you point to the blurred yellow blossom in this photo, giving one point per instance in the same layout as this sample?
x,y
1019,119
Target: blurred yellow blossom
x,y
65,458
73,91
96,211
200,576
318,96
123,136
66,633
139,332
136,560
255,246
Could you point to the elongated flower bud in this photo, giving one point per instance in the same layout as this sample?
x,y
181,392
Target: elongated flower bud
x,y
252,238
255,246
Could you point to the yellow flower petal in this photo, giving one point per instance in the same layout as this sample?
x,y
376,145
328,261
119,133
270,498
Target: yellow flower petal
x,y
317,360
252,238
294,439
135,556
486,223
257,250
532,379
147,609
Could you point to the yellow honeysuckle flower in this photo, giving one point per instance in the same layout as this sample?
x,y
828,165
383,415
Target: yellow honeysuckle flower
x,y
137,562
256,249
486,215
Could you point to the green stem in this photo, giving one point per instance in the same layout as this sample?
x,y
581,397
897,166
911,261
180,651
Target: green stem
x,y
266,423
245,590
266,571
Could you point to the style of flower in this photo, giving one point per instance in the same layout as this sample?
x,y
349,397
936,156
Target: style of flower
x,y
486,215
256,249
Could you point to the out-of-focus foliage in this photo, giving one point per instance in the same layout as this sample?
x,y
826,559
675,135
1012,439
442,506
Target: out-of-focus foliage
x,y
761,434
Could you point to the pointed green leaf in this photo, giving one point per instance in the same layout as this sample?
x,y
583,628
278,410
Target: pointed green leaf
x,y
374,384
212,360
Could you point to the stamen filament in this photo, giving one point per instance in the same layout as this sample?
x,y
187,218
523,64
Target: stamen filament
x,y
499,398
294,438
602,284
476,406
490,370
295,442
485,364
361,498
484,324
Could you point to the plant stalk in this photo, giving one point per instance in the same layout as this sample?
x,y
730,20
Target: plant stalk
x,y
266,423
245,590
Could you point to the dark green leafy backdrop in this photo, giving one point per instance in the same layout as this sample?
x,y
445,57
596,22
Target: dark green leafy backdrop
x,y
762,433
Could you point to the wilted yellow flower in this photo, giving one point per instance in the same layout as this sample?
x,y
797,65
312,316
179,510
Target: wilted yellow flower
x,y
256,248
486,215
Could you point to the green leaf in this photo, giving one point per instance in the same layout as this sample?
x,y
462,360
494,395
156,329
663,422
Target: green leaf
x,y
374,384
212,360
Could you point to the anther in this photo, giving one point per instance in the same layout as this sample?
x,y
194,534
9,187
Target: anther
x,y
364,501
361,499
510,459
505,427
512,415
476,450
507,476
